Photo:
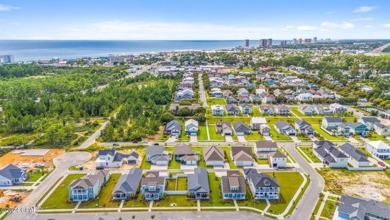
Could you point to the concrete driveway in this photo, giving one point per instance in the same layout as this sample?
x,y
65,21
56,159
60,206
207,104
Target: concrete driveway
x,y
267,138
172,139
295,139
193,139
229,139
241,139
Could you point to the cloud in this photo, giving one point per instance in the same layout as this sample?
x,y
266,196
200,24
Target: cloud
x,y
324,26
330,25
363,9
7,7
386,25
330,12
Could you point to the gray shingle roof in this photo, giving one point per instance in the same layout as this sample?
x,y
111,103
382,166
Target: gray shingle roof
x,y
233,178
354,153
213,153
260,179
266,144
198,181
361,209
333,119
154,150
12,172
129,182
241,127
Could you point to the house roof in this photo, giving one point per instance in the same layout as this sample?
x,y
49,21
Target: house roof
x,y
354,153
198,181
230,107
260,179
173,125
360,209
371,120
266,144
89,180
154,150
183,149
259,120
191,121
12,172
152,178
282,124
241,127
378,144
110,152
242,153
129,182
233,179
278,154
213,153
333,119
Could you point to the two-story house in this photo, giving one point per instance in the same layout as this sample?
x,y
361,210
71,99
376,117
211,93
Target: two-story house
x,y
378,149
233,185
242,156
191,127
88,187
303,127
12,175
153,186
217,110
263,149
328,154
198,184
261,185
331,123
113,158
173,128
284,128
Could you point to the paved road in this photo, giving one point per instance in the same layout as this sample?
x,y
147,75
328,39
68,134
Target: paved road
x,y
378,50
91,140
62,163
309,199
208,215
202,94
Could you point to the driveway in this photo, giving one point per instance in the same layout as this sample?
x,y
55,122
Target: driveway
x,y
193,139
267,138
91,140
229,138
62,163
352,140
241,139
202,94
172,139
295,139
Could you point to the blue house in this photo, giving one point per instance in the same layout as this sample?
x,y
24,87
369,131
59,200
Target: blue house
x,y
88,187
357,128
233,185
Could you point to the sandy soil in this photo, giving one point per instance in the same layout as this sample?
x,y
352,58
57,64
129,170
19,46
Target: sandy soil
x,y
17,159
6,195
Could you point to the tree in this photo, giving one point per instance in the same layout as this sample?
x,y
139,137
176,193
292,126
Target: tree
x,y
167,117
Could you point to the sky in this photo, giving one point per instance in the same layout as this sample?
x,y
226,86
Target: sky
x,y
193,19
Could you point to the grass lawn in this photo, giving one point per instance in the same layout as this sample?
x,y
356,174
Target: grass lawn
x,y
327,136
33,176
216,101
303,138
214,135
376,137
256,112
229,157
297,112
173,164
58,199
181,183
276,136
170,184
201,162
180,200
215,193
262,161
145,164
202,134
329,209
289,184
136,202
183,136
103,200
231,119
254,136
249,202
309,153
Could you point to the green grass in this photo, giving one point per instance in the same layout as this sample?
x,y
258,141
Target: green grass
x,y
202,133
180,200
103,200
17,139
329,209
376,137
309,153
58,199
327,136
231,119
215,193
173,164
254,136
296,111
229,157
276,136
317,207
201,162
216,101
249,202
33,176
289,184
183,136
181,183
136,202
303,138
256,112
214,135
170,184
262,161
145,164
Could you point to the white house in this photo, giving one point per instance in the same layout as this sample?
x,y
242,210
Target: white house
x,y
217,110
12,175
355,156
191,127
381,129
303,97
242,156
113,158
378,149
214,156
337,108
263,149
277,160
331,123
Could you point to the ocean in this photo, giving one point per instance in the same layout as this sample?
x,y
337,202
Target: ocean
x,y
26,50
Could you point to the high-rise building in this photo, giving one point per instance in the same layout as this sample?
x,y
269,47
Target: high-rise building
x,y
246,43
308,41
300,41
6,59
269,42
263,43
283,43
295,41
315,40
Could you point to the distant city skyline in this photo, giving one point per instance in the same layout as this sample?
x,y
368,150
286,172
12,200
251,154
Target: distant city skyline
x,y
193,19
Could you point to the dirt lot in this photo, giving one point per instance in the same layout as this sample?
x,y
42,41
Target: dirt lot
x,y
90,165
18,159
365,184
7,195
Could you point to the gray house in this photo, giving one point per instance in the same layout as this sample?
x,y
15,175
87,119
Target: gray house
x,y
157,156
153,186
214,156
12,175
303,127
173,128
233,185
241,129
232,109
127,185
198,184
284,128
328,154
355,156
89,186
223,128
261,185
361,209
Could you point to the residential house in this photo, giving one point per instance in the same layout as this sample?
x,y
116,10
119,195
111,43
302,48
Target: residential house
x,y
361,209
261,185
303,127
243,99
242,92
263,149
185,155
231,100
157,156
357,128
337,108
173,128
113,158
184,94
331,123
191,126
369,122
232,109
282,110
216,93
381,129
217,110
267,109
254,98
241,129
224,128
303,97
343,130
355,156
214,156
265,130
127,185
242,156
227,93
12,175
256,122
233,186
198,184
378,149
328,154
246,108
153,186
88,187
323,110
277,160
267,98
284,128
307,109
